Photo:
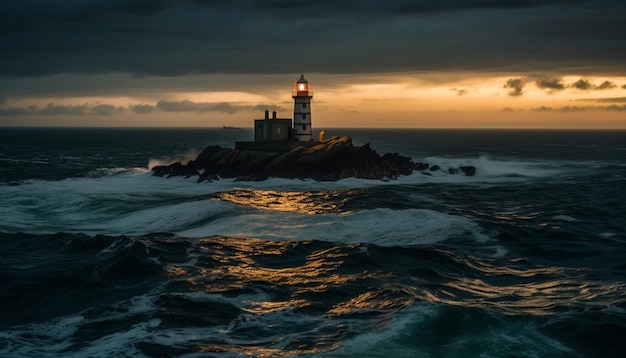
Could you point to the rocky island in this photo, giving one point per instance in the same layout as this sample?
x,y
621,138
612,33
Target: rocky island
x,y
284,148
330,160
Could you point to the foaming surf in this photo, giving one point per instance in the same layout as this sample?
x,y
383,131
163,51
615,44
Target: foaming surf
x,y
134,202
191,154
525,258
489,168
514,337
409,227
242,296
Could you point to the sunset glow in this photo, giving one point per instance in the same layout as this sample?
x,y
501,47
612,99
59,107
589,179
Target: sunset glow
x,y
372,66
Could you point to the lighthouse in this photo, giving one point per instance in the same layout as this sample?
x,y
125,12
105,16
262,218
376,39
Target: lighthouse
x,y
302,131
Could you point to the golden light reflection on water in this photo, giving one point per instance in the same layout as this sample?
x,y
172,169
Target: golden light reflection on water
x,y
374,300
250,350
542,291
230,265
321,280
236,264
306,202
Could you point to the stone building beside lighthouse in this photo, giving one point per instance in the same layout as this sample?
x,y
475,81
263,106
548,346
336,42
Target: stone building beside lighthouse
x,y
272,129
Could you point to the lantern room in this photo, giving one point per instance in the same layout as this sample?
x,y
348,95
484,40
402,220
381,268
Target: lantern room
x,y
302,87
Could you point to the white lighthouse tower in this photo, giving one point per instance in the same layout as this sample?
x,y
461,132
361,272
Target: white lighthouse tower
x,y
302,131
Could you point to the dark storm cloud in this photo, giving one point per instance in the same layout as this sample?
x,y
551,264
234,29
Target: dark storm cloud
x,y
142,108
26,15
582,84
556,84
201,107
612,100
106,110
189,106
171,38
515,86
543,109
459,91
398,7
577,109
52,109
616,108
61,110
553,84
14,111
585,85
606,85
605,100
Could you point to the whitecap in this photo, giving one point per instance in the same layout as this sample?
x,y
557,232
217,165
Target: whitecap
x,y
191,154
55,337
564,218
487,167
607,235
384,342
96,203
381,226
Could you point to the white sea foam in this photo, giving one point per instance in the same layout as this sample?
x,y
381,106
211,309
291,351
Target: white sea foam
x,y
384,227
515,338
132,201
79,204
607,235
389,340
55,336
409,334
168,218
136,203
487,167
564,218
183,158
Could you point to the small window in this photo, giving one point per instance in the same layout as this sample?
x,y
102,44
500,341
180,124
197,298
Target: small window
x,y
304,105
304,116
278,130
304,127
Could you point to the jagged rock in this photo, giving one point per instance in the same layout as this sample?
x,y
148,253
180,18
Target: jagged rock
x,y
469,170
331,160
176,169
421,166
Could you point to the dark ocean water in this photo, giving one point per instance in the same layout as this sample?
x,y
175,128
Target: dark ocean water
x,y
526,259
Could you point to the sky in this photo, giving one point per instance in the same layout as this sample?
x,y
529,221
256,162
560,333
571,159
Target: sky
x,y
370,63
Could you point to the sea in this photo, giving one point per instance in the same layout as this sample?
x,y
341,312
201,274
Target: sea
x,y
99,258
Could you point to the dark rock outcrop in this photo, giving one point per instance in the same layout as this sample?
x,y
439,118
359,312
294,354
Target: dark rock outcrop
x,y
425,169
331,160
469,170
